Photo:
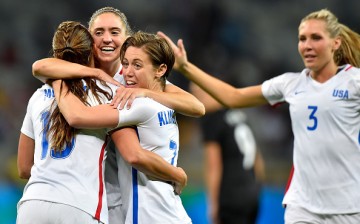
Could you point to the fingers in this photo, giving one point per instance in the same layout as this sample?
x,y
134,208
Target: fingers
x,y
181,46
126,96
163,35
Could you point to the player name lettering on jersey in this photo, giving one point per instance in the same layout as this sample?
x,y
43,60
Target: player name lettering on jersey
x,y
343,94
49,93
166,117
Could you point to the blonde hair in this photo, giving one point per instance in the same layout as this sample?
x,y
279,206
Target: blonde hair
x,y
349,51
114,11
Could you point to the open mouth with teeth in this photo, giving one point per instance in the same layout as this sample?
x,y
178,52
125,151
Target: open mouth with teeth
x,y
130,83
107,49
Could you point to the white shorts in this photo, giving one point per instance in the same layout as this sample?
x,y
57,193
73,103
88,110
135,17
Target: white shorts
x,y
37,211
298,215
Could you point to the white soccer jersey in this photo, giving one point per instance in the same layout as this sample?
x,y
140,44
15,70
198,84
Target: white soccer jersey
x,y
74,176
151,201
326,123
111,169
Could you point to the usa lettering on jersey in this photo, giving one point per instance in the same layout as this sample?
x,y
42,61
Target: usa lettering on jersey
x,y
343,94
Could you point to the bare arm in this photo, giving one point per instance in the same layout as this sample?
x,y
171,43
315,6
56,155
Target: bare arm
x,y
224,93
127,143
78,115
213,176
25,159
173,97
53,68
209,102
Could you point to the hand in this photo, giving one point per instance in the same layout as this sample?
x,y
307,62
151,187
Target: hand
x,y
179,186
126,96
101,75
179,51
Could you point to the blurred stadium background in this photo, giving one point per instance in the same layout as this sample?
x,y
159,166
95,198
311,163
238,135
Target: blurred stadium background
x,y
241,41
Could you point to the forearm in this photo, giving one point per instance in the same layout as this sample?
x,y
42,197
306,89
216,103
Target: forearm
x,y
179,100
127,143
53,68
153,165
218,89
224,93
25,157
78,115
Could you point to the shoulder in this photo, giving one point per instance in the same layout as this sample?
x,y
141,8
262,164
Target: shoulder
x,y
147,102
351,70
45,92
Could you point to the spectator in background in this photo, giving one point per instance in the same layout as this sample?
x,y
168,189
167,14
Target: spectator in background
x,y
234,167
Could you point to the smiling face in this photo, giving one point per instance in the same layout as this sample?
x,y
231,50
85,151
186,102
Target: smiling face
x,y
139,72
109,33
315,46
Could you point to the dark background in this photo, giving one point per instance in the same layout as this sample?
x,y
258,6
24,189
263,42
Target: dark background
x,y
243,42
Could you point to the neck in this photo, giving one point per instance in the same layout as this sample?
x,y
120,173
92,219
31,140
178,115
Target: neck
x,y
110,68
325,73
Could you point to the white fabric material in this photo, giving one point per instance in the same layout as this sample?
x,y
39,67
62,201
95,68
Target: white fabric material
x,y
151,201
72,178
326,122
46,211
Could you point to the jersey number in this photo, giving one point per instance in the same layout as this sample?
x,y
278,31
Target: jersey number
x,y
313,117
45,143
173,146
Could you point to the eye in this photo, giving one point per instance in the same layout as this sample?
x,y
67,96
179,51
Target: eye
x,y
116,32
98,33
316,37
137,66
125,64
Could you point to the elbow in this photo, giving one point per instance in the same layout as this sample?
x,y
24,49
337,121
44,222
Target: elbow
x,y
201,111
74,120
24,173
37,66
134,159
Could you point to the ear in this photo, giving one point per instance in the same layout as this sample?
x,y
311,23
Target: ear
x,y
160,71
337,43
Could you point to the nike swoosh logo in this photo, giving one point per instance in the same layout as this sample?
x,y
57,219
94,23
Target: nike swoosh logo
x,y
298,92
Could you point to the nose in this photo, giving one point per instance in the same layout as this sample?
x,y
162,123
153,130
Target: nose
x,y
307,44
107,38
128,71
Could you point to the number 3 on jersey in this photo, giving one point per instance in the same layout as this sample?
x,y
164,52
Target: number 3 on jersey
x,y
45,143
313,118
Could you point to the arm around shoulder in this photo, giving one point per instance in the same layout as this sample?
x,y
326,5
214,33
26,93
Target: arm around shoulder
x,y
53,68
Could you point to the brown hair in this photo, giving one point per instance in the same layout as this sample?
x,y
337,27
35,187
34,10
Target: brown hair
x,y
158,49
71,42
349,51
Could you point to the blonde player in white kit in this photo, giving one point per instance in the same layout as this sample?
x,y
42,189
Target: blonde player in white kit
x,y
66,183
324,104
147,61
